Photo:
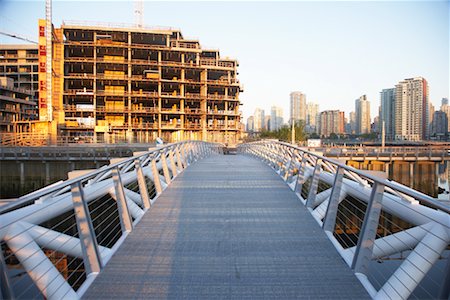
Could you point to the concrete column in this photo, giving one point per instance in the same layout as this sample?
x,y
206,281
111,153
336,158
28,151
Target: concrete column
x,y
94,87
387,169
203,104
47,172
130,129
22,173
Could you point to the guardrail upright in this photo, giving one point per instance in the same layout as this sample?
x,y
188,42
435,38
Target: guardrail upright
x,y
89,247
301,178
314,183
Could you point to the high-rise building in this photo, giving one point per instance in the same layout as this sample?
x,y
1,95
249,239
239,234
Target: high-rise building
x,y
258,120
352,122
312,117
331,121
439,125
250,124
444,101
276,118
387,113
446,109
298,107
267,123
115,83
20,62
16,107
412,109
362,115
375,126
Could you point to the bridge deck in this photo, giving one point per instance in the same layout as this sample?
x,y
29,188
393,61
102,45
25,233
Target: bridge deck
x,y
227,227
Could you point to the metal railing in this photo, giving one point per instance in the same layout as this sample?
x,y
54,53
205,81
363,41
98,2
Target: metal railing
x,y
395,239
390,153
55,241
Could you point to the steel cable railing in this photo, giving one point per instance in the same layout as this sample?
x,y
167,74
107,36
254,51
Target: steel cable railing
x,y
395,239
60,237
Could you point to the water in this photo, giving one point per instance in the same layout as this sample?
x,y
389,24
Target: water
x,y
430,178
36,174
444,181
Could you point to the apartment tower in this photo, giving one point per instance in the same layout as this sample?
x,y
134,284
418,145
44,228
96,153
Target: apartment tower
x,y
312,117
412,109
331,121
258,120
387,112
298,106
362,115
276,118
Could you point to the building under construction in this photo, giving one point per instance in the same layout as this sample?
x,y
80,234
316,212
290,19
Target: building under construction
x,y
20,63
135,84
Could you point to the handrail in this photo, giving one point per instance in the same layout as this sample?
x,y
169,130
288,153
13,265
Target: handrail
x,y
31,226
369,219
32,196
403,189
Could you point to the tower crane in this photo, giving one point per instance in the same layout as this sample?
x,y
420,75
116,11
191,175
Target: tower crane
x,y
16,36
139,13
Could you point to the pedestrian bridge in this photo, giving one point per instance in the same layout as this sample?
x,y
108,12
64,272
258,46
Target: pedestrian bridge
x,y
186,221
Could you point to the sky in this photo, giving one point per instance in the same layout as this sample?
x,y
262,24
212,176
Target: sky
x,y
333,51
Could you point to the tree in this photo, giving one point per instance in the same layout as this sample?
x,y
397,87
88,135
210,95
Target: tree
x,y
333,136
285,132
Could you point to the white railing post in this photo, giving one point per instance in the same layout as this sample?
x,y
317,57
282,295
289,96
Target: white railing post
x,y
180,162
301,175
314,183
368,232
184,155
288,169
142,184
164,167
329,221
172,163
89,247
156,179
124,214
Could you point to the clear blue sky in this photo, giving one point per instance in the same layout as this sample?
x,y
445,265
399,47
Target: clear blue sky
x,y
333,51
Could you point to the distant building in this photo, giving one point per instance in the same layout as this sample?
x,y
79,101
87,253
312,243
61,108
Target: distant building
x,y
352,122
439,125
20,63
362,115
298,106
258,120
267,123
412,109
276,118
347,126
331,121
15,106
312,117
445,108
387,113
375,126
444,101
250,124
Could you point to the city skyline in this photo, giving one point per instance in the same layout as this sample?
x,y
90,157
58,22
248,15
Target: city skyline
x,y
326,56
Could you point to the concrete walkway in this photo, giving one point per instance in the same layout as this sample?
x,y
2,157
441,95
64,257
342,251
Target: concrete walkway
x,y
228,227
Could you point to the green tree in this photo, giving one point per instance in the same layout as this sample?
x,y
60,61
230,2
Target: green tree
x,y
285,133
